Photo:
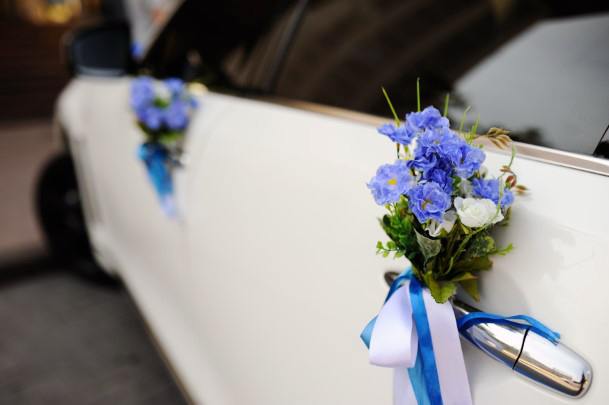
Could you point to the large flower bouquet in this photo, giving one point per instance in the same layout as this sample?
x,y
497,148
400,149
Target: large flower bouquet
x,y
441,202
162,111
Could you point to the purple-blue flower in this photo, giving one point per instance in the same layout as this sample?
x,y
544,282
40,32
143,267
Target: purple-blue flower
x,y
489,188
390,182
175,86
398,134
442,177
142,93
436,147
508,198
151,117
176,115
429,118
428,201
468,160
416,124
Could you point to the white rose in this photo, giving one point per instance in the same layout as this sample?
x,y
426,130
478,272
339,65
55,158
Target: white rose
x,y
448,221
475,212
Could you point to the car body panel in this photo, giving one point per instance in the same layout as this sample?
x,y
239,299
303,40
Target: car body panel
x,y
258,292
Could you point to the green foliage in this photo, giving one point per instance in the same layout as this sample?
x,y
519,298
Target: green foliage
x,y
166,138
428,247
443,263
480,245
441,291
471,288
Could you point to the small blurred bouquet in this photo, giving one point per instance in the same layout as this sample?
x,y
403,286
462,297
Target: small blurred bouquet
x,y
163,110
441,202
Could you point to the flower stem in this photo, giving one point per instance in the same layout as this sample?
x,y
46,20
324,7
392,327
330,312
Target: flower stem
x,y
463,117
395,115
418,95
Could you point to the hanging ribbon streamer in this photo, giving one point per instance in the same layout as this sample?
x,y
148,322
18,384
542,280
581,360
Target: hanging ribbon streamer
x,y
419,338
156,159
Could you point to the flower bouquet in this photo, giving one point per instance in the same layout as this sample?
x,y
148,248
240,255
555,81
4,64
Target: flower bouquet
x,y
162,111
441,202
442,205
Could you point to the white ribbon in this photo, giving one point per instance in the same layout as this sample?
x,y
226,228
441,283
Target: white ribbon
x,y
394,343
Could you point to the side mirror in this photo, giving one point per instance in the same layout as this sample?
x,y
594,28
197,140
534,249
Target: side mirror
x,y
102,50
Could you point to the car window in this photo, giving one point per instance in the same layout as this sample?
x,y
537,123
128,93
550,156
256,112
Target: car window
x,y
536,69
533,66
225,44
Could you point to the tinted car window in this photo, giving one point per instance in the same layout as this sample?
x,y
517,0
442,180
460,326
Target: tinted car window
x,y
537,70
535,67
222,44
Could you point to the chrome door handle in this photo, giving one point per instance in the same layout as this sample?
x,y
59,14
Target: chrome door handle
x,y
554,366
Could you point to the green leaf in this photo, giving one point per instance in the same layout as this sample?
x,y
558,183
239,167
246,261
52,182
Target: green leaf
x,y
504,251
463,117
429,247
446,101
418,95
473,265
463,277
395,115
481,245
471,288
441,291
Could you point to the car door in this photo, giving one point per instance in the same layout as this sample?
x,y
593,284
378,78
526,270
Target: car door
x,y
282,241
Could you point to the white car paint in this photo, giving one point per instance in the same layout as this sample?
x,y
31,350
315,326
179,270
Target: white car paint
x,y
259,291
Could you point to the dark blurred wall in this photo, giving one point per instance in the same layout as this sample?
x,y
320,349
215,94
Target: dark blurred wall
x,y
32,72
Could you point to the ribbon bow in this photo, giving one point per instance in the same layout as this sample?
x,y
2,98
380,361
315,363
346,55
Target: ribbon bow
x,y
156,159
419,338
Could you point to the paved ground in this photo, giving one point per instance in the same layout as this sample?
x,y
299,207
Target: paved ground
x,y
63,340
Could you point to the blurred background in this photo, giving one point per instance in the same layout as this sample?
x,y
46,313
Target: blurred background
x,y
65,339
539,67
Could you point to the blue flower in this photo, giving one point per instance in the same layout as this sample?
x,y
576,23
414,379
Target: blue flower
x,y
151,117
175,86
390,182
428,201
489,188
436,147
508,198
142,93
416,124
468,160
176,115
442,177
429,118
398,134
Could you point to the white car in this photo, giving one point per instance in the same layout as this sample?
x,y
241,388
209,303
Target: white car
x,y
257,293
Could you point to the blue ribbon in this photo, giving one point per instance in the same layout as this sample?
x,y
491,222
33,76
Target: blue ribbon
x,y
424,375
155,156
527,322
428,360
